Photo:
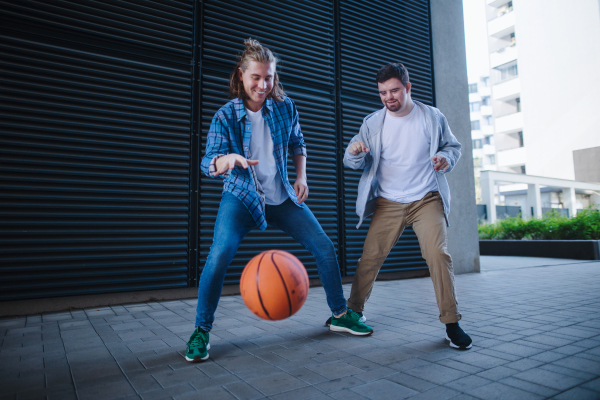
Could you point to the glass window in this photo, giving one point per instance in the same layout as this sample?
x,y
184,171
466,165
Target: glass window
x,y
485,101
505,72
475,106
487,119
472,88
475,125
491,159
477,144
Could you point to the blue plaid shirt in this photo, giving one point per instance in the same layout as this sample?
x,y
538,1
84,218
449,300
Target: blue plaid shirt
x,y
229,133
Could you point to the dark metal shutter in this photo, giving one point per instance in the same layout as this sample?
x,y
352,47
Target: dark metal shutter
x,y
301,34
373,35
95,101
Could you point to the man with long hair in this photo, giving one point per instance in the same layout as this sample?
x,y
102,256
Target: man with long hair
x,y
247,146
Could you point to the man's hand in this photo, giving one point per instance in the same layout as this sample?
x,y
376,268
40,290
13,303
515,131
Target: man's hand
x,y
358,147
440,162
228,162
301,189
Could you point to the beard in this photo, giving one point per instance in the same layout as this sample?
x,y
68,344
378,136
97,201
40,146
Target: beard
x,y
393,107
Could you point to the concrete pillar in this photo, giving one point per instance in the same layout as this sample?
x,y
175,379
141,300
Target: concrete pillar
x,y
534,200
488,195
570,200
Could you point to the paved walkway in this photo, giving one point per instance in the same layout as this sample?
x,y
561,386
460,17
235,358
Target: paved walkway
x,y
535,325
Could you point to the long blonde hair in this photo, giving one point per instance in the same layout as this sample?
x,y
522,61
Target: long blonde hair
x,y
254,51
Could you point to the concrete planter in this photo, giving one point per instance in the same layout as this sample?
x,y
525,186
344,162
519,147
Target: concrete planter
x,y
573,249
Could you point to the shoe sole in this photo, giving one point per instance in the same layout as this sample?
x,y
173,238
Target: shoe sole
x,y
335,328
458,347
362,319
198,359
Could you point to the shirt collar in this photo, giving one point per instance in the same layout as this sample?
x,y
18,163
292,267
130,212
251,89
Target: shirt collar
x,y
240,110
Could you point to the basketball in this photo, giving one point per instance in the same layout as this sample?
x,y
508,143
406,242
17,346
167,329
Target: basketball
x,y
274,285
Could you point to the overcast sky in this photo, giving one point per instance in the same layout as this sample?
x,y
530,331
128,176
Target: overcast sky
x,y
478,62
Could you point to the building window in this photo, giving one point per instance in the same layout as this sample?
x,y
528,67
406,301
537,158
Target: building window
x,y
513,40
491,159
486,81
472,88
485,101
477,162
487,119
518,101
505,72
475,106
523,170
475,125
488,140
521,142
477,144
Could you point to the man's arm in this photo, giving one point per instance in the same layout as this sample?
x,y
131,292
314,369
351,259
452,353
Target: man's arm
x,y
300,186
357,153
449,147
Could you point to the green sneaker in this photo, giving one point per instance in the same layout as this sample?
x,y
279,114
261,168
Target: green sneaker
x,y
351,323
198,346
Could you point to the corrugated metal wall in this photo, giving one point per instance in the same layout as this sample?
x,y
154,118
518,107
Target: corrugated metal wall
x,y
95,104
105,108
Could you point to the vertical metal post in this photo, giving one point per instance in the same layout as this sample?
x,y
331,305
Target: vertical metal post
x,y
431,56
339,132
195,131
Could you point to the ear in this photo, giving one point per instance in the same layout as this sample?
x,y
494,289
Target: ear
x,y
240,73
408,86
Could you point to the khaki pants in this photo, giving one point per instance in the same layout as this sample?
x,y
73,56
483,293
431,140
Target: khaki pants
x,y
387,224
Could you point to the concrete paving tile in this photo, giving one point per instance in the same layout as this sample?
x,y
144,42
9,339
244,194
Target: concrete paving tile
x,y
436,373
335,369
151,345
450,363
592,385
498,391
411,381
243,391
172,378
437,393
170,392
580,364
499,354
478,359
115,390
568,372
516,349
127,326
307,376
375,374
276,383
524,364
346,394
217,393
383,389
577,394
548,378
497,373
544,391
409,363
335,385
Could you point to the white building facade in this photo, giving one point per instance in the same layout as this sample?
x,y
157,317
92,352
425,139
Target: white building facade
x,y
544,58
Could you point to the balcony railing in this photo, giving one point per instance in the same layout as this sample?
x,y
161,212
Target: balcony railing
x,y
509,123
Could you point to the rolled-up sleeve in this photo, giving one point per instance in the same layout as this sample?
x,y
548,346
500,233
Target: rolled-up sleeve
x,y
217,145
297,145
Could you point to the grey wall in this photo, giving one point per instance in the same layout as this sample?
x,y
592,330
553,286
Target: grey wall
x,y
587,164
452,98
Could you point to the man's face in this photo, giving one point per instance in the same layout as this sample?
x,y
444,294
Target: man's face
x,y
258,83
394,95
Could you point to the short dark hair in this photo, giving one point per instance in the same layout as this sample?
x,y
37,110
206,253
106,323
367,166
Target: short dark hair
x,y
393,70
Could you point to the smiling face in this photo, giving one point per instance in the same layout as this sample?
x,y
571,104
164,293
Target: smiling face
x,y
395,96
258,82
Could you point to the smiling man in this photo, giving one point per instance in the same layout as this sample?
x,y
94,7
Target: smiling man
x,y
405,149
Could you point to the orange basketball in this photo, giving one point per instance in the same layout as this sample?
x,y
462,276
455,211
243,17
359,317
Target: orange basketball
x,y
274,285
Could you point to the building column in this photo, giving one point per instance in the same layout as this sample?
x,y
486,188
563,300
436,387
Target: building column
x,y
570,200
488,195
534,200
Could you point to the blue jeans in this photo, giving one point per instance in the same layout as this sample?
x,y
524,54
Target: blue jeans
x,y
233,224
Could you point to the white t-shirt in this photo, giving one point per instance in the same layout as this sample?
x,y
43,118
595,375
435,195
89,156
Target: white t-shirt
x,y
405,171
261,148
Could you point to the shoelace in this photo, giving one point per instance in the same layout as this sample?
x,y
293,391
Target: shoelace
x,y
197,341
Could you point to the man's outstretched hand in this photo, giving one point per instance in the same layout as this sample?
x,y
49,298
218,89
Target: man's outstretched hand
x,y
440,163
358,147
230,161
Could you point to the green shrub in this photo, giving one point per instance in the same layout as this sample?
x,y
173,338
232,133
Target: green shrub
x,y
584,226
